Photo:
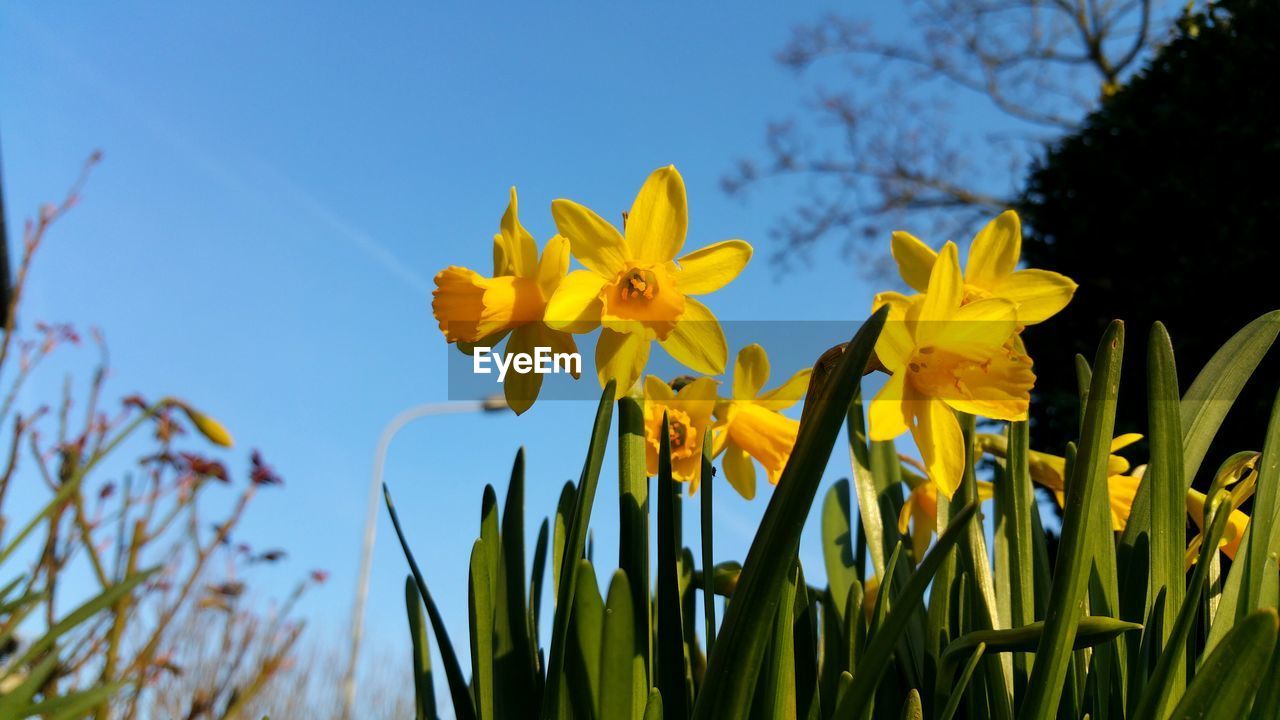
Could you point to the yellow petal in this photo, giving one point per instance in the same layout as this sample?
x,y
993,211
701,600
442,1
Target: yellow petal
x,y
595,243
986,324
659,217
559,342
986,490
554,264
740,471
995,251
890,416
766,436
521,389
469,307
788,393
521,250
946,290
698,398
501,260
711,268
1125,440
488,341
1120,491
1040,294
656,390
697,340
576,306
937,435
915,260
1237,523
620,357
895,345
750,372
998,388
904,515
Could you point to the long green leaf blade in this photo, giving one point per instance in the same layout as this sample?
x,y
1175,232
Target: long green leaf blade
x,y
424,692
1220,688
1088,487
875,659
734,666
458,690
623,684
553,705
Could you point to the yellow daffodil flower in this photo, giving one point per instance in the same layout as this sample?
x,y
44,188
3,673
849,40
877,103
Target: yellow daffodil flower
x,y
945,356
1050,471
920,514
688,419
991,271
750,424
477,311
636,288
1240,467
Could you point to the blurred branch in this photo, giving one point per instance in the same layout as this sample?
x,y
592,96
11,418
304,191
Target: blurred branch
x,y
889,147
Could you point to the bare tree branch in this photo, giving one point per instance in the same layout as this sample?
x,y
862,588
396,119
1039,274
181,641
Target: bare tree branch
x,y
889,147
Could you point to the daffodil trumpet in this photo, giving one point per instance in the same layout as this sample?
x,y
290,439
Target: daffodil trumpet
x,y
750,425
476,311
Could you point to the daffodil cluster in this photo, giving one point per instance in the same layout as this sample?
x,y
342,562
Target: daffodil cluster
x,y
744,429
636,288
955,346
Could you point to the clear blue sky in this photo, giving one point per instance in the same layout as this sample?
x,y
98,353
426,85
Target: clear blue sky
x,y
281,183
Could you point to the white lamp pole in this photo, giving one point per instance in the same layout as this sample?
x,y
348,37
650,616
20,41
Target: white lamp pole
x,y
489,404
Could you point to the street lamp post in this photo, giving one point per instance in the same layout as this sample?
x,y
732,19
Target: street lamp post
x,y
489,404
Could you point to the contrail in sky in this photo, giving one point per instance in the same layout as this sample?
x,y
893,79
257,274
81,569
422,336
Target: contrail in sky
x,y
233,178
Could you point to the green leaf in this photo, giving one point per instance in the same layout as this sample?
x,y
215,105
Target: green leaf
x,y
873,662
515,657
535,589
480,609
458,689
835,652
1088,487
1205,404
560,533
1250,584
633,519
1092,631
1168,518
424,691
977,566
669,661
1220,688
623,683
1012,543
855,627
805,641
778,677
957,691
837,540
653,708
708,536
585,657
1169,674
553,705
735,664
1215,389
